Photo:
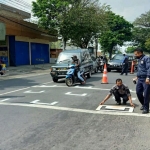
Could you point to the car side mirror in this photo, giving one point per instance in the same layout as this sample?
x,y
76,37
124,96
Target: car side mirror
x,y
55,60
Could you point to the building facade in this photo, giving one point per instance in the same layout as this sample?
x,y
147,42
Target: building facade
x,y
24,43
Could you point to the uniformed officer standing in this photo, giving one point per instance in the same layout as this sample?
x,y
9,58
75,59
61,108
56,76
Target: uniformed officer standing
x,y
125,65
143,79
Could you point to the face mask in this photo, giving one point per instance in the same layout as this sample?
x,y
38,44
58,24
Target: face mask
x,y
138,57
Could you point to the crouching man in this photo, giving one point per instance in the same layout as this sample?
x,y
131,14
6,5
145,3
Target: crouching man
x,y
119,91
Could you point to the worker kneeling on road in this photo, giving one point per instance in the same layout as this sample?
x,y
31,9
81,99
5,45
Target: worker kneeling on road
x,y
119,91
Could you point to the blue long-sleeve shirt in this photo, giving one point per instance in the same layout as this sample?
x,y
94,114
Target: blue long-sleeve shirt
x,y
125,60
144,67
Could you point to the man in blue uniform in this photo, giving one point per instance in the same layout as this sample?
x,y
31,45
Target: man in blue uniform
x,y
125,65
143,79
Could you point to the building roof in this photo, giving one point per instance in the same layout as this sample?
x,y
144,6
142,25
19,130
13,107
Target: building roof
x,y
13,12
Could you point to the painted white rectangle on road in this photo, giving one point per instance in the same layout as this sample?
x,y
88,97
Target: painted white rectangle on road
x,y
114,108
34,92
69,93
39,103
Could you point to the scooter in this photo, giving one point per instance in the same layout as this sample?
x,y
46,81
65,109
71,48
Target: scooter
x,y
71,76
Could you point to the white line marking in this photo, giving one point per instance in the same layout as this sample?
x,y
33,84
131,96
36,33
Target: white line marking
x,y
132,91
77,110
34,102
47,82
5,99
91,88
133,98
22,76
15,91
39,103
53,103
69,93
115,107
34,92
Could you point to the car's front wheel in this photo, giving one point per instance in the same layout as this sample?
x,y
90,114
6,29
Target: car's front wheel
x,y
89,74
96,70
55,79
109,70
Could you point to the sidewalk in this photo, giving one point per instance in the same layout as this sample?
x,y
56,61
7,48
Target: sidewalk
x,y
25,70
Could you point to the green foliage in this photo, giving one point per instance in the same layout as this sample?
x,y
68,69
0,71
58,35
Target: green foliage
x,y
118,33
78,20
141,31
147,44
130,49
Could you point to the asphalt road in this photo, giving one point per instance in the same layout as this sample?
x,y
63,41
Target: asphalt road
x,y
37,114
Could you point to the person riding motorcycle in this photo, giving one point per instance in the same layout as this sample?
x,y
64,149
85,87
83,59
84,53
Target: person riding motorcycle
x,y
77,64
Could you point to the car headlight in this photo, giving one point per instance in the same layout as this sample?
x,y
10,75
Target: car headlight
x,y
53,69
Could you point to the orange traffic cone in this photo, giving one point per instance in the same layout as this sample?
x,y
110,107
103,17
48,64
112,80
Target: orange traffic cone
x,y
104,79
132,68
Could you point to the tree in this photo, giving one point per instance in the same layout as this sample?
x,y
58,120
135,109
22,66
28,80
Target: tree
x,y
89,21
75,20
130,49
147,44
141,31
118,33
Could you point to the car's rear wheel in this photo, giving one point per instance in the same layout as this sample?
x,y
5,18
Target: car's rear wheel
x,y
55,79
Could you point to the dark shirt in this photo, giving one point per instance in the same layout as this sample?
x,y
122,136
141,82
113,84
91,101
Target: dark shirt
x,y
125,60
123,89
143,67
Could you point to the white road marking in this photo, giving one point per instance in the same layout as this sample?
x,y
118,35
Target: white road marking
x,y
7,99
91,88
132,91
39,103
53,103
47,82
115,108
34,102
34,92
15,91
21,89
23,76
69,93
77,110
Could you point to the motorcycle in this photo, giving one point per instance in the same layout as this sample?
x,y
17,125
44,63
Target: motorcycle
x,y
101,65
71,76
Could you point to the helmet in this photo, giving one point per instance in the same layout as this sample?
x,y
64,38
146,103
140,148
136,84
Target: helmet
x,y
74,57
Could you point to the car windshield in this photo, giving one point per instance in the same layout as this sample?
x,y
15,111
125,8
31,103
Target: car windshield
x,y
118,57
65,57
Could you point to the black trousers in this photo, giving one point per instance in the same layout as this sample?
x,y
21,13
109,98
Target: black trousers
x,y
118,97
125,69
143,92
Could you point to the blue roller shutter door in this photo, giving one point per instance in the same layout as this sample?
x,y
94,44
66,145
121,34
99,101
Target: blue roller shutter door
x,y
22,53
39,52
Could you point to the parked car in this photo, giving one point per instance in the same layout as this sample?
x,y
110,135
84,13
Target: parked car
x,y
116,62
64,60
95,64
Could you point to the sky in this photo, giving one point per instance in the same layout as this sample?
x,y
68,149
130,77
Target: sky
x,y
129,9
